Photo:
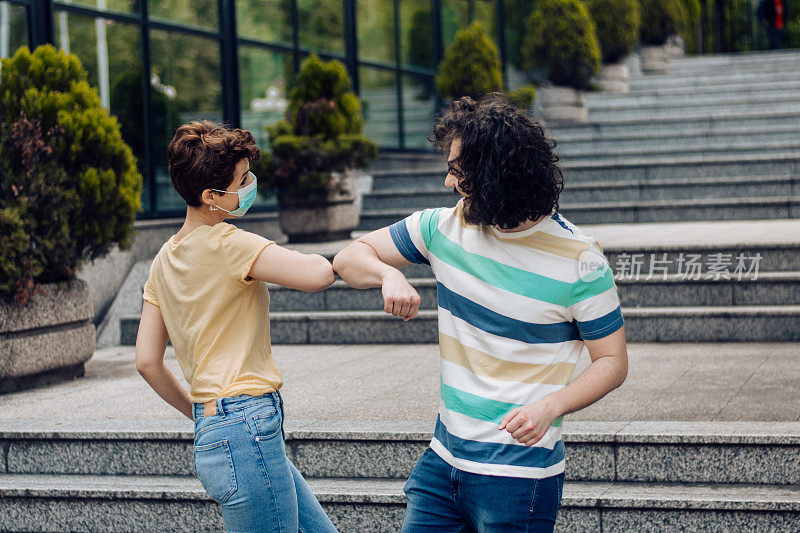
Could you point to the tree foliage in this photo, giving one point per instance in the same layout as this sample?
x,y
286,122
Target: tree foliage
x,y
321,134
68,180
471,65
661,19
617,23
562,39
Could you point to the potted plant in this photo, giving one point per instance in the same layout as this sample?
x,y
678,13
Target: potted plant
x,y
315,152
617,23
661,20
523,96
562,41
69,191
471,65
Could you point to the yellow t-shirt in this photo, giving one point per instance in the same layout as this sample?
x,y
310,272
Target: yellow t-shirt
x,y
216,316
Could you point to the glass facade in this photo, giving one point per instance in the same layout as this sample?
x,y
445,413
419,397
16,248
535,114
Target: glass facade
x,y
160,63
13,27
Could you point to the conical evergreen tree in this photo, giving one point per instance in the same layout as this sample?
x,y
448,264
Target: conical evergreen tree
x,y
471,65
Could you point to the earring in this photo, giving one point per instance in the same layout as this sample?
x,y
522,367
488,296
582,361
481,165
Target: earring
x,y
212,208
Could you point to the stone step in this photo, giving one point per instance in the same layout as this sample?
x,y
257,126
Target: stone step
x,y
738,98
710,81
430,175
759,56
766,68
768,288
145,503
643,324
674,210
388,161
674,134
662,451
574,192
775,61
676,126
769,278
725,88
708,111
623,151
636,211
655,96
696,165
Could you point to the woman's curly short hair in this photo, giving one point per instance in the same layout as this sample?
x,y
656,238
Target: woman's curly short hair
x,y
506,166
203,155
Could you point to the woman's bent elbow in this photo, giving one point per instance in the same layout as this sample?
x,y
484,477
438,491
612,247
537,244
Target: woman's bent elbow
x,y
144,365
323,276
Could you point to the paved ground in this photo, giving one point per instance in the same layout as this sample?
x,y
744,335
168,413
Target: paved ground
x,y
674,382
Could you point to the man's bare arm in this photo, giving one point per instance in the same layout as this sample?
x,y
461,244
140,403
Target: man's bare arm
x,y
374,261
607,371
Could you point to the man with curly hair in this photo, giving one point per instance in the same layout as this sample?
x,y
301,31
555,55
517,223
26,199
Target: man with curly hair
x,y
521,291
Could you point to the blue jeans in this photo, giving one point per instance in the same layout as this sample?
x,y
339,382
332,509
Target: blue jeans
x,y
240,458
443,498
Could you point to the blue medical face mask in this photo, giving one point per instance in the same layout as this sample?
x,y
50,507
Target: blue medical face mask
x,y
247,195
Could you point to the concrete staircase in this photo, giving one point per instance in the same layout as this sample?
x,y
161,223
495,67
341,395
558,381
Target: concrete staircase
x,y
718,138
660,303
637,476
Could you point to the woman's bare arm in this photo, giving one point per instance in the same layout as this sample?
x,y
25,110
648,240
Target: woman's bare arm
x,y
151,342
304,272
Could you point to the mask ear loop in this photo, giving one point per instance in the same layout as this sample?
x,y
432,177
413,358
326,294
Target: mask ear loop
x,y
215,207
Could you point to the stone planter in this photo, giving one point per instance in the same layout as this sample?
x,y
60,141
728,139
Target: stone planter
x,y
47,340
675,47
330,220
615,78
561,104
655,59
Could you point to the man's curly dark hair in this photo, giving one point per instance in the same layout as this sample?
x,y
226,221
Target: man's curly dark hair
x,y
506,166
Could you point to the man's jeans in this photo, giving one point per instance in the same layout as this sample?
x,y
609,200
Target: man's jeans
x,y
443,498
240,458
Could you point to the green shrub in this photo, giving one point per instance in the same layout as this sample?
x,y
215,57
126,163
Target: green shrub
x,y
791,33
321,134
617,23
471,65
562,40
662,18
67,176
523,97
691,9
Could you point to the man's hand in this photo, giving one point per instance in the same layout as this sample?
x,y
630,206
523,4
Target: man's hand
x,y
529,423
399,297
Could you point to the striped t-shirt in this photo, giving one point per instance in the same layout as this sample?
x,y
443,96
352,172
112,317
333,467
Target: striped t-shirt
x,y
514,309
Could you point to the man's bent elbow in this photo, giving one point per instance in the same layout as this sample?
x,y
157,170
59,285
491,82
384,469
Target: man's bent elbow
x,y
343,259
622,372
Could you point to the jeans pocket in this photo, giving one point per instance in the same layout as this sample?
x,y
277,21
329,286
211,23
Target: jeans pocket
x,y
267,423
213,465
210,423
